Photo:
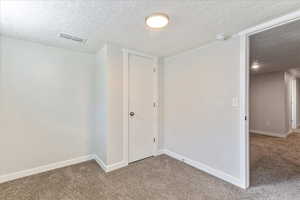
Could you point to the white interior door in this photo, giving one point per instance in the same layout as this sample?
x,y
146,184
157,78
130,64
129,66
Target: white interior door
x,y
141,110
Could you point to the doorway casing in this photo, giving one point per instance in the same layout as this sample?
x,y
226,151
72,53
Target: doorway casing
x,y
126,54
244,89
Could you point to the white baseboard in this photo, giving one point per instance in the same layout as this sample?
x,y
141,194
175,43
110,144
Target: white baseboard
x,y
296,130
217,173
41,169
109,168
100,162
160,152
115,166
291,131
270,134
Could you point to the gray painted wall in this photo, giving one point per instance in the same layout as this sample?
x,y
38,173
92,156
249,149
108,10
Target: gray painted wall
x,y
108,112
115,104
45,104
268,103
100,103
199,121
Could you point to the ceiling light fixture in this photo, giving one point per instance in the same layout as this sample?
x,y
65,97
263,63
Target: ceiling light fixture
x,y
157,20
255,66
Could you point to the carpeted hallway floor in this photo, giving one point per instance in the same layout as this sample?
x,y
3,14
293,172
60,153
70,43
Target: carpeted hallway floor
x,y
275,175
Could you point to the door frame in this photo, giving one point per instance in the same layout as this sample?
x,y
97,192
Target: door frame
x,y
126,54
293,89
244,89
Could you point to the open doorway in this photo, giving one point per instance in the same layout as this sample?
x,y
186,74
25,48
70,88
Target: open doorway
x,y
274,106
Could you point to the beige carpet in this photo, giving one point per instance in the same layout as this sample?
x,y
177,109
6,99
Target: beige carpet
x,y
275,176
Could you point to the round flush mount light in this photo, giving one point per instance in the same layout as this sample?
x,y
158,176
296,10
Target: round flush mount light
x,y
157,20
255,66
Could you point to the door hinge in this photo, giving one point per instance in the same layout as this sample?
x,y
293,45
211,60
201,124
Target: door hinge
x,y
245,118
153,140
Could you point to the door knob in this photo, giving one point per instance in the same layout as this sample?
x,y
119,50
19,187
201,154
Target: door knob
x,y
131,114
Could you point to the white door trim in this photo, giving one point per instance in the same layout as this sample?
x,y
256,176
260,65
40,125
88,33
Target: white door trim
x,y
244,88
293,85
126,53
244,110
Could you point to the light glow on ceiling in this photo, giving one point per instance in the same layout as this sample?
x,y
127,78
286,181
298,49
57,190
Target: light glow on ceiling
x,y
157,20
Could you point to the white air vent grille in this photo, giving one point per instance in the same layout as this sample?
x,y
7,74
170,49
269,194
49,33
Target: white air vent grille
x,y
71,37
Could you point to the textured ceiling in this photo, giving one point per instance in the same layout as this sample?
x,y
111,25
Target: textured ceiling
x,y
193,22
276,49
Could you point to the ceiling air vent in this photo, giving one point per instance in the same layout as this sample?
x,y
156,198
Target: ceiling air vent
x,y
71,37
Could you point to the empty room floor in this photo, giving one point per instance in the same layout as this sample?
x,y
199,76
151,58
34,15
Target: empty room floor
x,y
275,174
